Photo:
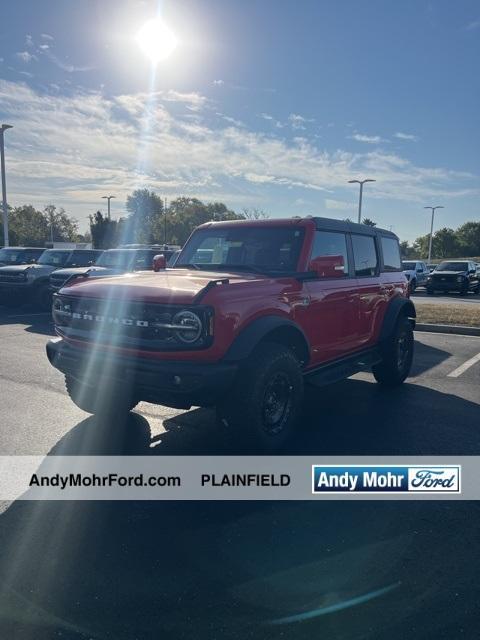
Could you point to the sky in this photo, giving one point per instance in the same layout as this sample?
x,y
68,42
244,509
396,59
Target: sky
x,y
269,104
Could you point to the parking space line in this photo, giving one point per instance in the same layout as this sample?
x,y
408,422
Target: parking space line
x,y
463,367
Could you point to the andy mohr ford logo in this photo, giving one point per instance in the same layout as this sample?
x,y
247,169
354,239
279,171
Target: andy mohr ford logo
x,y
386,479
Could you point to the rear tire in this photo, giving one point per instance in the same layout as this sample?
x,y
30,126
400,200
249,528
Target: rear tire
x,y
98,400
267,399
397,356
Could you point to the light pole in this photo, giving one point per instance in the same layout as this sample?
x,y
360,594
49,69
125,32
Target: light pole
x,y
361,183
431,231
3,128
108,198
165,223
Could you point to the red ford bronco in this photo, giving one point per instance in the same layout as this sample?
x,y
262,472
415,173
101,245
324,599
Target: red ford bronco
x,y
251,312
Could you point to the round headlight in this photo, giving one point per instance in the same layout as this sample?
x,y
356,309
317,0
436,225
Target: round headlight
x,y
188,327
459,278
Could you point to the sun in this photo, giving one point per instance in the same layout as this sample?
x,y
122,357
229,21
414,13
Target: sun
x,y
156,40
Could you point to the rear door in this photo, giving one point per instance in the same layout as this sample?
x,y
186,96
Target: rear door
x,y
331,317
370,295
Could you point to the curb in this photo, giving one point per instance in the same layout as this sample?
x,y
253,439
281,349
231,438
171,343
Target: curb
x,y
448,328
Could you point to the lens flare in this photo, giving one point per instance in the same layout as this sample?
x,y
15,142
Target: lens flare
x,y
156,40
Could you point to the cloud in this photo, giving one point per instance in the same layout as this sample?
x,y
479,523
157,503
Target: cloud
x,y
218,82
298,122
26,56
46,36
64,66
361,137
473,25
29,41
405,136
44,47
338,205
80,144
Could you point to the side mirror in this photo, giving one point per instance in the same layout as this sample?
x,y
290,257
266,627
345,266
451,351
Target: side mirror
x,y
328,266
159,262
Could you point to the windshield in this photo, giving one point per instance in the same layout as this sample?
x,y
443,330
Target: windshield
x,y
452,266
116,259
408,265
54,258
11,256
259,249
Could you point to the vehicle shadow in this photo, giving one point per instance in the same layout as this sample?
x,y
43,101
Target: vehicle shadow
x,y
33,319
353,417
427,357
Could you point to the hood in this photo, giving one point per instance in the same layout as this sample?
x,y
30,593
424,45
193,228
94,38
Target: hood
x,y
37,269
15,268
448,273
175,286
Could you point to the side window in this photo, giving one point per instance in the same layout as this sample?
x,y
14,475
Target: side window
x,y
365,255
391,254
327,243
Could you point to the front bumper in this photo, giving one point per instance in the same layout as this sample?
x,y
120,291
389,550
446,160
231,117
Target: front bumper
x,y
447,286
171,383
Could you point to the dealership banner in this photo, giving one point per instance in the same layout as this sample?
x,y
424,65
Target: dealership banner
x,y
239,478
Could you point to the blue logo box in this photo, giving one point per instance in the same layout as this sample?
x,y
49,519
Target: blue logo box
x,y
386,479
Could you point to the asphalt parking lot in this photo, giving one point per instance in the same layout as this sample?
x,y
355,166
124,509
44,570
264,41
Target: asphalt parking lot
x,y
436,412
118,571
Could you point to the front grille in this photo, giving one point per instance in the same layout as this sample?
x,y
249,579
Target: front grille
x,y
449,278
128,324
12,277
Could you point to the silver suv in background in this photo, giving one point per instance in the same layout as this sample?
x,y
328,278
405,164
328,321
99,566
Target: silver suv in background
x,y
30,282
112,262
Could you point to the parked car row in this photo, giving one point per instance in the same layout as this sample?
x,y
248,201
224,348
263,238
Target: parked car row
x,y
32,275
450,275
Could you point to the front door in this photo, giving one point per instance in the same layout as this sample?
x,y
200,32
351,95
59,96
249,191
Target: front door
x,y
331,316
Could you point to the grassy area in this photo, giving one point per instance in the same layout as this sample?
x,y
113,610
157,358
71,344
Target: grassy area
x,y
448,314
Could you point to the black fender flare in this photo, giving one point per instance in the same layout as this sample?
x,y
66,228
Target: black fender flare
x,y
397,307
258,329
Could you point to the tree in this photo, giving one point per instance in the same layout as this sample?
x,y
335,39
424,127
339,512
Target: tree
x,y
27,226
369,223
254,214
445,244
61,227
468,236
146,211
105,232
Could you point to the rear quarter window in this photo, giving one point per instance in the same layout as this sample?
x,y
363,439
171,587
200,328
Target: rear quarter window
x,y
365,255
391,254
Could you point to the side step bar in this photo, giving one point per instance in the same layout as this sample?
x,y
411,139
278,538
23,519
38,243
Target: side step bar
x,y
344,368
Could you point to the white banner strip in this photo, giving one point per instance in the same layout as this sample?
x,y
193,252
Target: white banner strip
x,y
239,478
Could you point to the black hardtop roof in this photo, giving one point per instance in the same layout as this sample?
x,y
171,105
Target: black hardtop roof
x,y
332,224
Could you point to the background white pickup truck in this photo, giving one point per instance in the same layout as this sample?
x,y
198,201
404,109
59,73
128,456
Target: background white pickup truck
x,y
416,272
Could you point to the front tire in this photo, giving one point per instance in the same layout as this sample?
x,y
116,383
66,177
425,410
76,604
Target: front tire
x,y
412,285
397,356
430,291
267,401
99,400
